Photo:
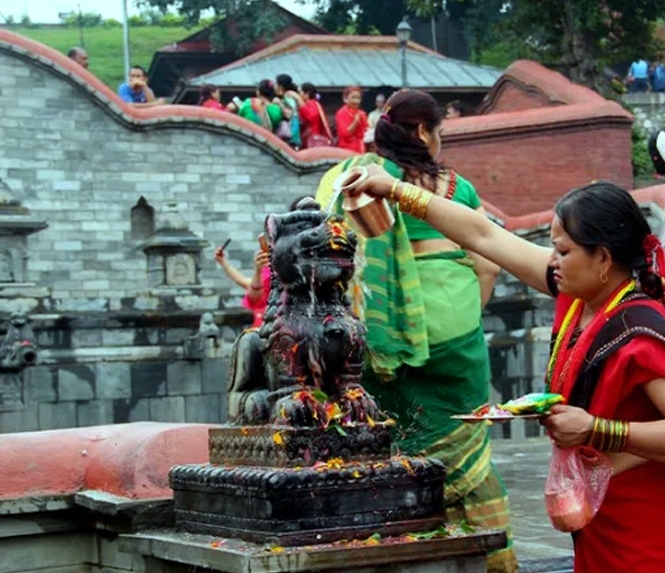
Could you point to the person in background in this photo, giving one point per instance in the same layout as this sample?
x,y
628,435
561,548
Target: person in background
x,y
373,118
427,354
314,128
375,115
261,108
605,271
657,75
289,98
210,96
638,76
79,55
257,287
136,91
455,109
351,121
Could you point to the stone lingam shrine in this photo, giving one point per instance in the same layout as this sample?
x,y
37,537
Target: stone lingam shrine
x,y
302,479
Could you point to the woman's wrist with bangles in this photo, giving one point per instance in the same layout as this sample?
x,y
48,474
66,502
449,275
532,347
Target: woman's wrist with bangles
x,y
411,199
608,435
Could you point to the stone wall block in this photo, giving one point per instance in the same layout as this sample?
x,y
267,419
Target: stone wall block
x,y
183,377
214,375
76,382
148,379
40,384
86,338
111,557
24,420
205,409
170,409
60,415
131,410
113,380
94,413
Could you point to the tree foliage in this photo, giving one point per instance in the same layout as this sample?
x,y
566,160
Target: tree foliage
x,y
359,16
236,24
577,36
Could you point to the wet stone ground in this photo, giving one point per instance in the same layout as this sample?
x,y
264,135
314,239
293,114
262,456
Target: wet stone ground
x,y
523,464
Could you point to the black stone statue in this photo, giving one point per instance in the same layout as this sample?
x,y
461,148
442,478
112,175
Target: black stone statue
x,y
306,360
307,456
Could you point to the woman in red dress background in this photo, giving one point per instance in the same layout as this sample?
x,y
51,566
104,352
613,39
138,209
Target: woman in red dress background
x,y
314,128
210,97
351,121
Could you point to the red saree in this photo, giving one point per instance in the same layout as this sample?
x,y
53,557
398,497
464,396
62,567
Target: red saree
x,y
624,537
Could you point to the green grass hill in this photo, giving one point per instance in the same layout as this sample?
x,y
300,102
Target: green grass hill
x,y
104,45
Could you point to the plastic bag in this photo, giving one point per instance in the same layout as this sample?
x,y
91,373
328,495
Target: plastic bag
x,y
576,486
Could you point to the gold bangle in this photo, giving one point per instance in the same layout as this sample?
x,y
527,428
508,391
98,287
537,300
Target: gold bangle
x,y
392,196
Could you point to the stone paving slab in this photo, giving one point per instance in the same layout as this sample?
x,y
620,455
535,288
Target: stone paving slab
x,y
523,464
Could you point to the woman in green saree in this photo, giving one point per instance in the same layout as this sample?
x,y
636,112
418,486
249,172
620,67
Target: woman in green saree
x,y
260,109
422,298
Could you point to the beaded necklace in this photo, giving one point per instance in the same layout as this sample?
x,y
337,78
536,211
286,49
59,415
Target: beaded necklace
x,y
572,315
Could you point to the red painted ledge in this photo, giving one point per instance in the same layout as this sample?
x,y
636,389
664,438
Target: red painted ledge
x,y
570,106
644,196
128,460
162,116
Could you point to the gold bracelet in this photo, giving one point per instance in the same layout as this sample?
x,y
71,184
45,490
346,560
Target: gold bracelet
x,y
392,196
414,200
409,193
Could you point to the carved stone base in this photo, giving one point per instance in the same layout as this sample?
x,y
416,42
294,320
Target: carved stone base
x,y
293,506
283,446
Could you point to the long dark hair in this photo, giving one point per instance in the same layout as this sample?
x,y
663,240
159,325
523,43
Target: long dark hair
x,y
309,89
205,93
603,214
285,81
396,133
266,89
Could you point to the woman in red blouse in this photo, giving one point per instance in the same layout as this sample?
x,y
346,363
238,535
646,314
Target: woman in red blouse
x,y
351,121
210,96
314,128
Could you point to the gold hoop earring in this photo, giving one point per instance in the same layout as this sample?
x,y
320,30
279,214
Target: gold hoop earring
x,y
603,277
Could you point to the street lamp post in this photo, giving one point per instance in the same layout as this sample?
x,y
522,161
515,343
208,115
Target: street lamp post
x,y
403,35
125,37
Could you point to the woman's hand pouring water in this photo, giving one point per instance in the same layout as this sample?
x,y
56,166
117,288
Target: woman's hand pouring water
x,y
377,183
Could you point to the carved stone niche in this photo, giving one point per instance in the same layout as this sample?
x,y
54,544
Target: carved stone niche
x,y
16,223
174,252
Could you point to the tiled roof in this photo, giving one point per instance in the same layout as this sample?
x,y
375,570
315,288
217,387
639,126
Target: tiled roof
x,y
339,61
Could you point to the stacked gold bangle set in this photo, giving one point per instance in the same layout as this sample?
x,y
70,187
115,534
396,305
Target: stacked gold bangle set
x,y
608,435
412,200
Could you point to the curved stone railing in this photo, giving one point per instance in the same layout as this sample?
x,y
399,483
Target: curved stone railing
x,y
654,195
167,116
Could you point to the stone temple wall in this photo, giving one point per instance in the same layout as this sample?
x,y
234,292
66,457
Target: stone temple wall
x,y
81,163
86,182
649,110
